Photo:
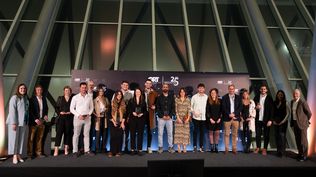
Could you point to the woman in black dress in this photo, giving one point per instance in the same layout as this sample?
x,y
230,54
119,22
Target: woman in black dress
x,y
213,117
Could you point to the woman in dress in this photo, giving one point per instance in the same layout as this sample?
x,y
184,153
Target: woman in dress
x,y
213,116
182,125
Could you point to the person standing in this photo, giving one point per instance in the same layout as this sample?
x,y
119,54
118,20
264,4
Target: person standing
x,y
248,115
214,118
81,107
165,110
65,121
300,116
280,121
231,110
150,121
198,107
117,124
17,121
264,115
182,124
101,109
38,115
136,113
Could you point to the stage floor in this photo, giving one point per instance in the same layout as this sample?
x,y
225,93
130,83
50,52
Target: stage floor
x,y
137,165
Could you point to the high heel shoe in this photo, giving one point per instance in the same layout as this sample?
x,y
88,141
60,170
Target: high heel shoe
x,y
56,152
15,160
66,150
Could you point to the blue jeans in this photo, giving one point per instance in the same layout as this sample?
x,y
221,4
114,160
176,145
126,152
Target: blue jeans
x,y
161,125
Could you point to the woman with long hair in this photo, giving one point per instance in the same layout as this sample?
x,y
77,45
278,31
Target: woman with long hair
x,y
117,125
213,115
280,121
136,111
17,121
182,124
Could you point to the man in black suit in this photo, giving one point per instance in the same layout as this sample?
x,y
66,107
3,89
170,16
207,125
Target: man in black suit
x,y
38,115
231,107
264,108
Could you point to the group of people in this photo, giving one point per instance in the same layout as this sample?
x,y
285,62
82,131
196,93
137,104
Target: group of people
x,y
129,113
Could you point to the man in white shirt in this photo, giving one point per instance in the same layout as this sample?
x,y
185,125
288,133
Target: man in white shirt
x,y
81,107
198,106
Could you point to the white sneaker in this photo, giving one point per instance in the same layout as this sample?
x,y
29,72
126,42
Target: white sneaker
x,y
149,151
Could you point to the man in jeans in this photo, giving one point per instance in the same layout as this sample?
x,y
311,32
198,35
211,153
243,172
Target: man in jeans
x,y
165,108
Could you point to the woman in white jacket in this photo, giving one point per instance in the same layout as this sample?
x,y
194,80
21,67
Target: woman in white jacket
x,y
248,115
17,121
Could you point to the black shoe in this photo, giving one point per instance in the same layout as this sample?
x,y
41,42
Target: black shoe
x,y
194,149
140,153
30,158
76,154
89,153
133,152
41,156
212,148
216,148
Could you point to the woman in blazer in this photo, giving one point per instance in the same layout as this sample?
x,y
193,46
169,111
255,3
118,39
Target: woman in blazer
x,y
17,122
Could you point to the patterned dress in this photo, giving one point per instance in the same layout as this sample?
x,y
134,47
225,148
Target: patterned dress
x,y
182,130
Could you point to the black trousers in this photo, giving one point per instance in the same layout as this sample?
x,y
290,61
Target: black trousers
x,y
246,136
116,139
137,125
149,134
280,137
199,126
260,125
301,140
126,131
101,134
64,127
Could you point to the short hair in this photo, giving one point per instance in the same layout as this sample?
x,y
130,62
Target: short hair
x,y
264,85
200,85
231,85
124,81
82,83
68,87
165,83
148,80
38,86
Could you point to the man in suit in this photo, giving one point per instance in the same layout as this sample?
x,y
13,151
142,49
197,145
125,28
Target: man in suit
x,y
38,115
300,116
264,113
231,107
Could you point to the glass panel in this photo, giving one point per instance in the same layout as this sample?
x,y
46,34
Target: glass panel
x,y
137,11
168,12
4,28
311,6
206,50
136,48
8,9
100,46
284,56
105,11
171,49
33,10
8,87
303,41
71,10
242,52
290,14
200,12
18,48
230,12
62,49
266,13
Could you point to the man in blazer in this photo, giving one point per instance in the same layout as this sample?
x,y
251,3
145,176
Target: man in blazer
x,y
231,107
264,113
300,116
38,114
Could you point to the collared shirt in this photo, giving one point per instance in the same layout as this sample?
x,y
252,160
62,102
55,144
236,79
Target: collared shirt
x,y
198,106
232,103
81,105
40,105
261,102
294,107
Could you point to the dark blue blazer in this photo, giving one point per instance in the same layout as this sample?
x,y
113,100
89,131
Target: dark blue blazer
x,y
34,109
226,107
